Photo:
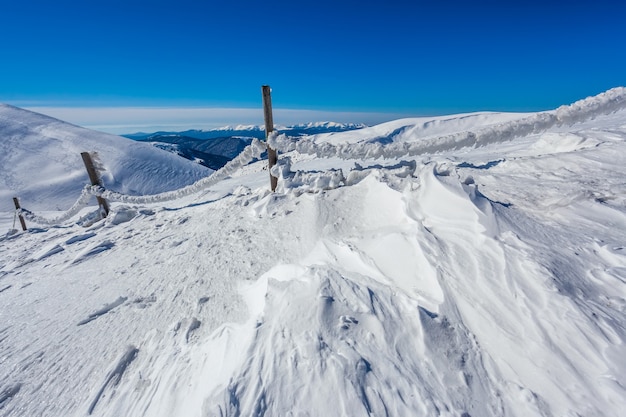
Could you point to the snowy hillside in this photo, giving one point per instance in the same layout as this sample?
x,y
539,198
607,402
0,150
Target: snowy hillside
x,y
470,265
41,162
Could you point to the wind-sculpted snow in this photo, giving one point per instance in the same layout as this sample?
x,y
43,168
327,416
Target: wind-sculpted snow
x,y
589,108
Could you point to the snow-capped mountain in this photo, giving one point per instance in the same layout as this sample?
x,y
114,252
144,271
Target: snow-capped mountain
x,y
252,131
469,265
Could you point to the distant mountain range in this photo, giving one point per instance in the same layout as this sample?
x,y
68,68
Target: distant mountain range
x,y
214,148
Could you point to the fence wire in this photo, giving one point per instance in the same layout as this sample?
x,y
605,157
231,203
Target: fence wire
x,y
589,108
252,151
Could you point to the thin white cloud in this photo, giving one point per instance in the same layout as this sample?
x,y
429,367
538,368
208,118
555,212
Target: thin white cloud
x,y
121,120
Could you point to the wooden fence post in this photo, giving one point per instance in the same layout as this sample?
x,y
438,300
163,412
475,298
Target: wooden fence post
x,y
95,180
272,156
17,207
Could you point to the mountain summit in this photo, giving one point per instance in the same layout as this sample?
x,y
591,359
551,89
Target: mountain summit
x,y
463,266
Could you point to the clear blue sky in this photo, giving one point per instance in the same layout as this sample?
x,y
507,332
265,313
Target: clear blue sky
x,y
408,57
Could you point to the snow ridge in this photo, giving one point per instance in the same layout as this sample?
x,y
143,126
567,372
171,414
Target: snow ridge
x,y
582,110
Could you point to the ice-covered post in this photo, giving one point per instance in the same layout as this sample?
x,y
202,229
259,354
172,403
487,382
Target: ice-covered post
x,y
95,180
17,208
272,156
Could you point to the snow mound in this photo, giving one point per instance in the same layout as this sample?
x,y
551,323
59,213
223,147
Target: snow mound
x,y
41,162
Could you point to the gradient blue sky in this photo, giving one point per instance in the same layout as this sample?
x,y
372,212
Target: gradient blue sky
x,y
386,57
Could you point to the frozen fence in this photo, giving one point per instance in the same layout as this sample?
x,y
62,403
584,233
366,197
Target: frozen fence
x,y
252,151
82,202
589,108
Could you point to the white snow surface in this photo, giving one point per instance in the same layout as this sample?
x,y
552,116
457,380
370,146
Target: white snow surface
x,y
41,163
482,276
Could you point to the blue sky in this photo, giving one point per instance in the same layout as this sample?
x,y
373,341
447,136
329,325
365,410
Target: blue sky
x,y
382,59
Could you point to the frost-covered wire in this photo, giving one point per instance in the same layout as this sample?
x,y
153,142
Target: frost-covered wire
x,y
82,202
254,150
589,108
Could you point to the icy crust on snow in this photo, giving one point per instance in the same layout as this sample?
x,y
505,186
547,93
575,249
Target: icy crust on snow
x,y
41,162
389,146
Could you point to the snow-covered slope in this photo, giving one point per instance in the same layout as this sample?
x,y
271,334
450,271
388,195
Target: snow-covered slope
x,y
482,280
403,130
41,162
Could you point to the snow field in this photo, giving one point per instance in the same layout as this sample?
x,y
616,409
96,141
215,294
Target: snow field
x,y
105,297
481,281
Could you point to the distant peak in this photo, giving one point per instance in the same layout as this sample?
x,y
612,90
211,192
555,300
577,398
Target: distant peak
x,y
329,125
239,128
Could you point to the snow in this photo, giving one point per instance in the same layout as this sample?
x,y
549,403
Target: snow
x,y
469,265
410,137
41,162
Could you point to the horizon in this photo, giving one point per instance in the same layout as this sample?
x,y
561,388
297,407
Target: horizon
x,y
476,265
130,120
358,62
143,120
